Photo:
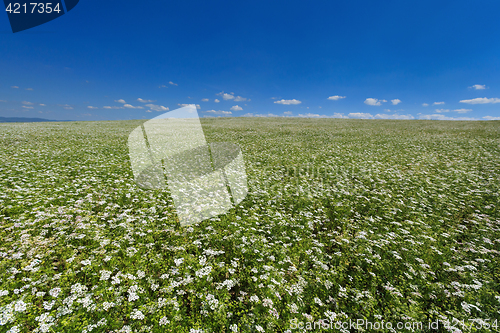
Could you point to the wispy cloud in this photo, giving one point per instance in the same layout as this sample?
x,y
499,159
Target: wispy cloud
x,y
226,96
174,84
29,89
478,87
360,115
216,100
288,113
482,100
236,108
128,106
491,118
27,103
335,98
230,96
260,115
162,86
425,104
394,116
15,87
219,112
438,103
157,107
183,105
121,101
288,102
442,110
112,107
374,101
462,110
315,115
205,100
443,117
395,101
92,107
145,100
27,107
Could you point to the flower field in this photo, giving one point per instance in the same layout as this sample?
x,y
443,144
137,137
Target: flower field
x,y
345,220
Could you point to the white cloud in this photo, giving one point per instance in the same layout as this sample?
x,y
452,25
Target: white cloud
x,y
395,101
128,106
219,112
288,102
29,89
288,113
27,107
491,118
1,100
157,107
112,107
462,110
27,103
15,87
260,115
226,96
239,99
394,116
237,108
360,115
443,117
183,105
482,100
478,87
309,115
68,108
216,100
86,114
174,84
162,86
374,101
145,100
121,101
92,107
425,104
442,110
205,100
335,98
42,104
438,103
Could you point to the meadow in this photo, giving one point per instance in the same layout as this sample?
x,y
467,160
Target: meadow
x,y
366,221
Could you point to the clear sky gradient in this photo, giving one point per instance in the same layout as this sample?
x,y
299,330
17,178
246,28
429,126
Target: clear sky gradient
x,y
373,59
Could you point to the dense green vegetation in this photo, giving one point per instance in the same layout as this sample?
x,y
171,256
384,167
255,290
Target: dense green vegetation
x,y
393,221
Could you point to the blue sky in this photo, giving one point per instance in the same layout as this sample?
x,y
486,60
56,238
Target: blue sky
x,y
385,59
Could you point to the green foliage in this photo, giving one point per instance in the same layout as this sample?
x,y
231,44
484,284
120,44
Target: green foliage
x,y
344,220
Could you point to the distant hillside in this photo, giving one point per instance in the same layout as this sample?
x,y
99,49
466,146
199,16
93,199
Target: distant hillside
x,y
25,120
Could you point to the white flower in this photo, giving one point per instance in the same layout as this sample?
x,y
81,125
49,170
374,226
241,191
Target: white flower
x,y
86,262
259,328
267,302
54,292
234,328
164,321
20,306
136,314
179,261
254,298
14,329
105,275
4,293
